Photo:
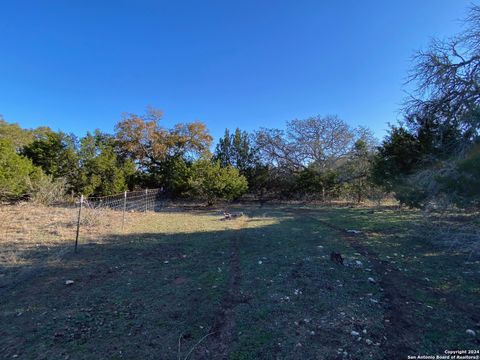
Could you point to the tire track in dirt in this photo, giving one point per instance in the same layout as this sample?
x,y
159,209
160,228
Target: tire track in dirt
x,y
402,324
223,329
403,332
472,311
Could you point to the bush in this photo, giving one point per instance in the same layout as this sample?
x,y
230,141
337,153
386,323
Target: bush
x,y
46,190
461,180
210,182
17,173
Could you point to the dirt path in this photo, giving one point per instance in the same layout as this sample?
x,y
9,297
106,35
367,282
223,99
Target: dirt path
x,y
402,332
217,346
403,328
384,267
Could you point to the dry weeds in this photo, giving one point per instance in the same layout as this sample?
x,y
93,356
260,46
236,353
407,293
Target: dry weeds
x,y
33,236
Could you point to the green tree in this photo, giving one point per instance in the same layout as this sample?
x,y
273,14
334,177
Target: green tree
x,y
17,173
17,136
236,150
211,182
427,159
398,156
175,175
158,151
224,149
102,171
354,174
239,150
56,154
314,182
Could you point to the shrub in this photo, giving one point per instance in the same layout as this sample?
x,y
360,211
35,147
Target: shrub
x,y
46,190
210,182
17,173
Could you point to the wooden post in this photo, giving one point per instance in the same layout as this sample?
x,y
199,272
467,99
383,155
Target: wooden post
x,y
78,222
124,208
146,204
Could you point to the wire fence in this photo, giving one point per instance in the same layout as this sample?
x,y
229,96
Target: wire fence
x,y
110,212
32,233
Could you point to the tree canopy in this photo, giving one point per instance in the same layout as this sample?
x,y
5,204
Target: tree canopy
x,y
422,159
17,173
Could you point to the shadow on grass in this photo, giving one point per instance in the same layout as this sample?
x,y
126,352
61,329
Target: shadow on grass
x,y
155,295
144,289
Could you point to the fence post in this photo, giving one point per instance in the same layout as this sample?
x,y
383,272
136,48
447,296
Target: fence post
x,y
78,222
124,208
146,199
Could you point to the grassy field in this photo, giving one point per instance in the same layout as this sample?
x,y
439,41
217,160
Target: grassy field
x,y
186,285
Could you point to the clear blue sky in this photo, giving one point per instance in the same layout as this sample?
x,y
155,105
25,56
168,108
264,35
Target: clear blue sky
x,y
77,65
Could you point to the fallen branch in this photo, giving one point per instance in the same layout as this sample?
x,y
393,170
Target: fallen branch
x,y
198,343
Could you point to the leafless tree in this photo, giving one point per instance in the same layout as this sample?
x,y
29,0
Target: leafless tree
x,y
447,77
323,141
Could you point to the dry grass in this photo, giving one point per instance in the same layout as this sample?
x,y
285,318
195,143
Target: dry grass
x,y
456,230
262,285
33,236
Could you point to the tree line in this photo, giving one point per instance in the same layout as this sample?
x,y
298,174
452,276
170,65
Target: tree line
x,y
319,157
431,157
